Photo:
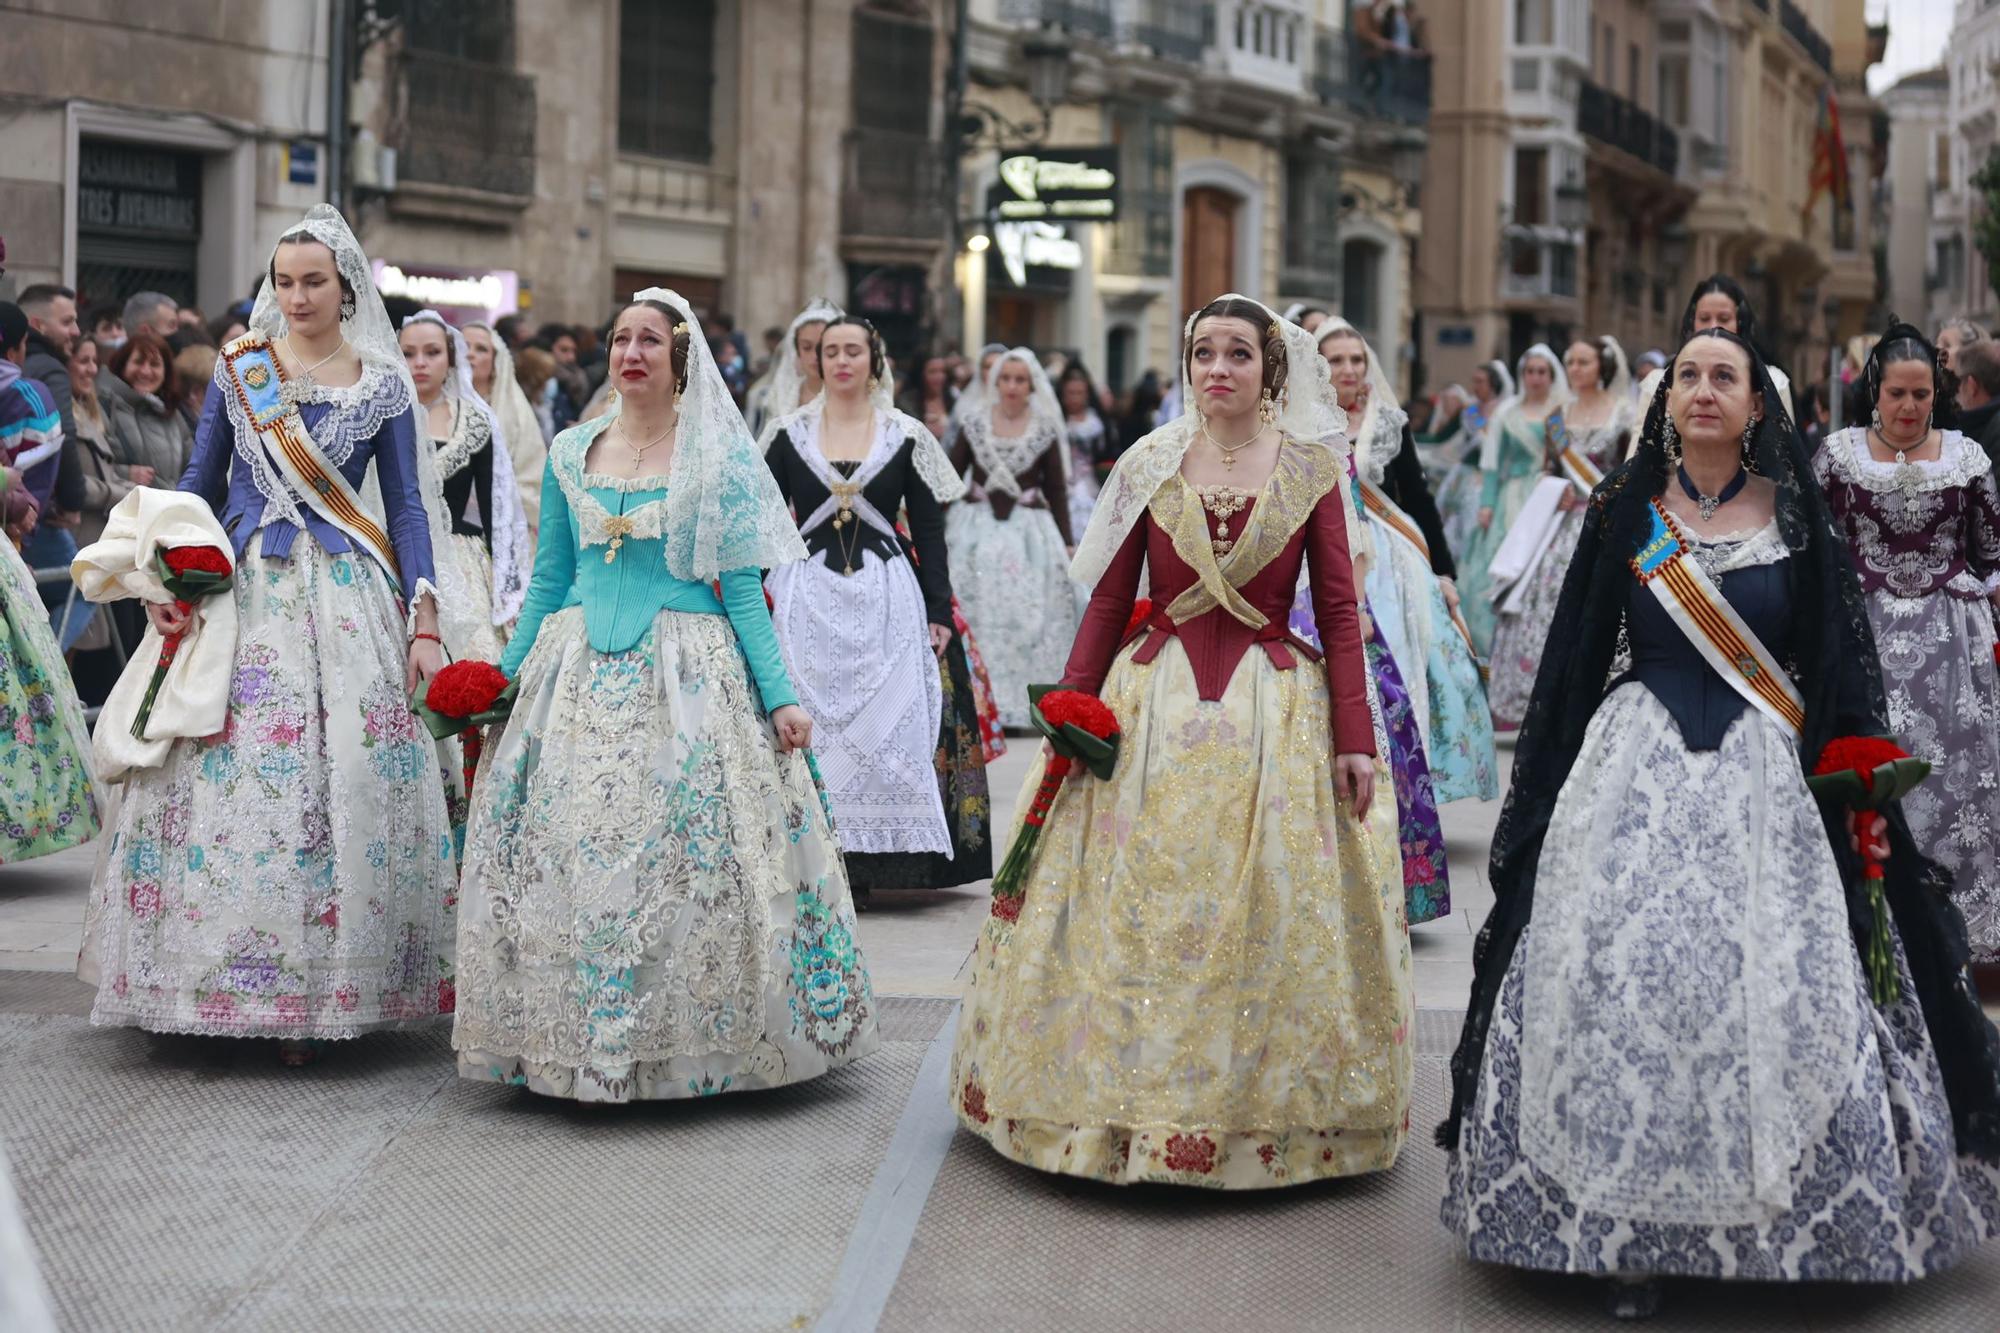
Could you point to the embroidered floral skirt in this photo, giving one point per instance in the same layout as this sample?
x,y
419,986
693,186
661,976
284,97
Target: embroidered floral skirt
x,y
1208,982
986,709
46,799
1475,558
1424,874
1521,636
1685,1075
1944,706
292,875
1012,577
1440,672
656,908
1457,497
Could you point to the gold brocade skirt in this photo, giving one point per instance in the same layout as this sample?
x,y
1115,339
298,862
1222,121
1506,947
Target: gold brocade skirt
x,y
1209,981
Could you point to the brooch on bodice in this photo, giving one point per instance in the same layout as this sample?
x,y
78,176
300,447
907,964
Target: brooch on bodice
x,y
1225,502
620,526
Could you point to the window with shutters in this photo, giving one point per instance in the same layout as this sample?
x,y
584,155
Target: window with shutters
x,y
893,58
666,78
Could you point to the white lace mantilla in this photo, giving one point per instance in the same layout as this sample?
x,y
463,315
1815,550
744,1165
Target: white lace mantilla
x,y
470,432
1005,457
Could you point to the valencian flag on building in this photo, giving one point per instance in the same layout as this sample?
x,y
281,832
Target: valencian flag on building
x,y
1829,159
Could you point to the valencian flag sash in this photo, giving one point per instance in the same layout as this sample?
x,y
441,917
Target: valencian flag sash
x,y
1720,635
264,392
1574,463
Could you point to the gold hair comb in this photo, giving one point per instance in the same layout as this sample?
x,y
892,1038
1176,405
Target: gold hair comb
x,y
680,328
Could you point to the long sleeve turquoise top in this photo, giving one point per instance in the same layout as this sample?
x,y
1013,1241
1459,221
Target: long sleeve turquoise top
x,y
602,548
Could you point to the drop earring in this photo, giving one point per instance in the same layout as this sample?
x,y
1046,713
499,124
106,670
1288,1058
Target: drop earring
x,y
1267,410
1670,440
1749,434
347,307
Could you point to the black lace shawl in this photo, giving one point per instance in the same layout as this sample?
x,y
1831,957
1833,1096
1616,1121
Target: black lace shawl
x,y
1837,672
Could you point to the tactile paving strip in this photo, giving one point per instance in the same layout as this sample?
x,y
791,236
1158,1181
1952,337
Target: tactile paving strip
x,y
183,1183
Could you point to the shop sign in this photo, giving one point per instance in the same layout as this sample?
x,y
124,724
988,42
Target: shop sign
x,y
138,189
1055,184
1023,246
465,292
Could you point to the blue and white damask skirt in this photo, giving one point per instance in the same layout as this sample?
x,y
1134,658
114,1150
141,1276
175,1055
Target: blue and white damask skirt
x,y
1685,1074
653,903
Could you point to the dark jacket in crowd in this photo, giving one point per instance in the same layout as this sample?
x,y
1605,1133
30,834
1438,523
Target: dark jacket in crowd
x,y
1983,424
57,483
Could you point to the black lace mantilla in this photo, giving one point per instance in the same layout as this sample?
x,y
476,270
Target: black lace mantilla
x,y
1837,672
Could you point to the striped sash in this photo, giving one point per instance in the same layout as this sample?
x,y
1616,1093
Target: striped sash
x,y
1712,625
259,381
1579,469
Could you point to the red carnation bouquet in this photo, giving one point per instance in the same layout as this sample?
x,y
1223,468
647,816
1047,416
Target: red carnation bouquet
x,y
1081,729
1865,773
460,700
1142,611
189,573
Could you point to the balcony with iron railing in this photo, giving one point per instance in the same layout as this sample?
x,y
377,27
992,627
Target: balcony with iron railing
x,y
1380,85
893,187
1794,21
1179,30
1091,18
1610,119
464,125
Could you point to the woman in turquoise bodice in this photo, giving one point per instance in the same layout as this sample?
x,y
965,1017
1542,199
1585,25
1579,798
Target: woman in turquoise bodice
x,y
1511,462
655,904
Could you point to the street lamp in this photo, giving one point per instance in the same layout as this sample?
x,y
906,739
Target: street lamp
x,y
1674,245
1406,161
1046,56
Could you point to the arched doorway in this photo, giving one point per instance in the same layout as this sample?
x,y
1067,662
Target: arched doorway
x,y
1208,245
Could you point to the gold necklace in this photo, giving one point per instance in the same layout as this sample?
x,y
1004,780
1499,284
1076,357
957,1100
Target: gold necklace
x,y
1229,451
639,451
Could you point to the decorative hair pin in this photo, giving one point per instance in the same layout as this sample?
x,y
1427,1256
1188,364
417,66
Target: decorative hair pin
x,y
680,328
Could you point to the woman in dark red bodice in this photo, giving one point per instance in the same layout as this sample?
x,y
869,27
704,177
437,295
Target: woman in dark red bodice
x,y
1203,984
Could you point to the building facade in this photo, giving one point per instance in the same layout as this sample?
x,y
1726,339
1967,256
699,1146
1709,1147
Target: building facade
x,y
170,167
529,155
1605,155
1972,112
1918,184
1258,146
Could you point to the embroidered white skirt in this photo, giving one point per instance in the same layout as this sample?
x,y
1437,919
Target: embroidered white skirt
x,y
1012,580
655,906
292,875
858,650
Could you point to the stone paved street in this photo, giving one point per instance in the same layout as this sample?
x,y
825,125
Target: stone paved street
x,y
190,1184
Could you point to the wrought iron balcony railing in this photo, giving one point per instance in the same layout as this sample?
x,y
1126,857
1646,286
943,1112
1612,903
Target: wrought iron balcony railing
x,y
1794,21
1091,18
465,124
1605,116
1174,29
1382,84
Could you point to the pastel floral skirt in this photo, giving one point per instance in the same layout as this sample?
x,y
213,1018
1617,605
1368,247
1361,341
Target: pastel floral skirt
x,y
1208,982
291,875
46,798
1521,636
656,908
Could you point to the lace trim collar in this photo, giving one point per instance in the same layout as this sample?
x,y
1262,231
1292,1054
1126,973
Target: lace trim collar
x,y
1960,461
1720,553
